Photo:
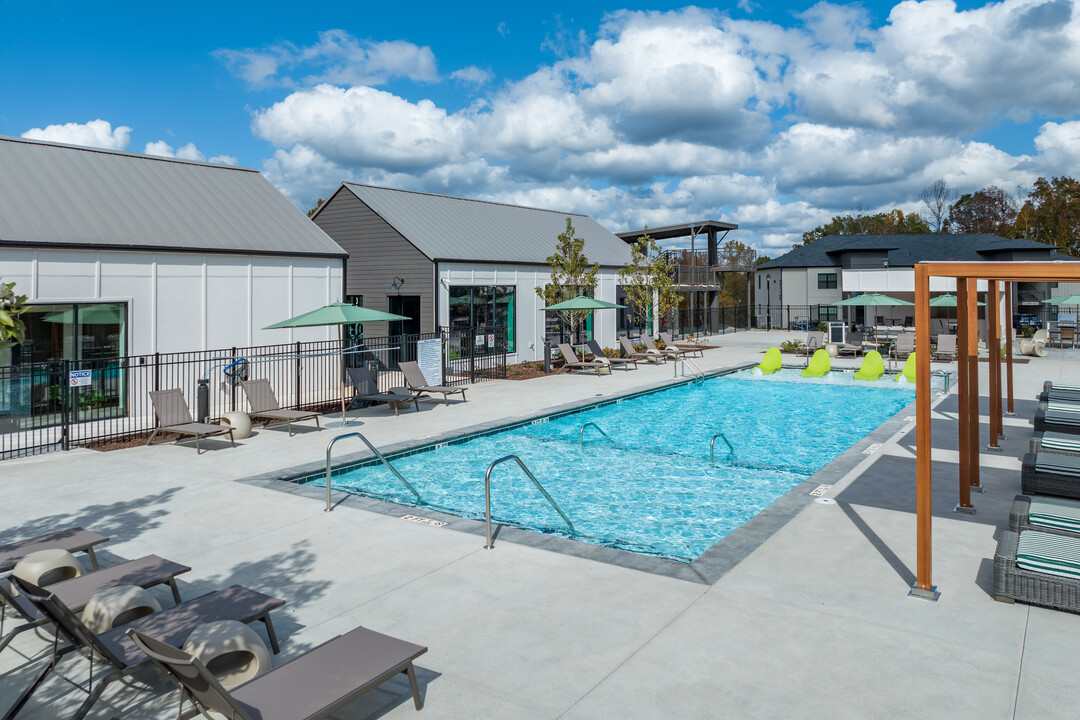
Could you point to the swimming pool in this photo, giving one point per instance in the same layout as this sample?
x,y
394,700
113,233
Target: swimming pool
x,y
648,486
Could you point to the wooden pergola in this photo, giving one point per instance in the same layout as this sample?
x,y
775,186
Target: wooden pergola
x,y
967,274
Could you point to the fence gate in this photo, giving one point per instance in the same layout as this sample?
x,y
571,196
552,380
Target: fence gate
x,y
473,354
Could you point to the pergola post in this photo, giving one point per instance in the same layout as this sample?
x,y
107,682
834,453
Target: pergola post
x,y
993,346
972,398
1009,349
963,376
924,509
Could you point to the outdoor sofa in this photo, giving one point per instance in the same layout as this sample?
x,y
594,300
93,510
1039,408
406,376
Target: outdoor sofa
x,y
623,362
415,381
1050,473
1058,416
264,404
174,416
1038,568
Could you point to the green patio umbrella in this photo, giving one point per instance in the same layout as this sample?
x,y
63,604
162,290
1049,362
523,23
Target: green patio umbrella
x,y
582,302
336,314
106,314
1073,299
869,299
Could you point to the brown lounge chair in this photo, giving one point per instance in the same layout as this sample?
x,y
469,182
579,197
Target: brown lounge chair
x,y
654,356
314,685
597,351
946,348
668,351
685,347
574,363
365,389
73,540
144,572
264,404
415,380
113,647
173,416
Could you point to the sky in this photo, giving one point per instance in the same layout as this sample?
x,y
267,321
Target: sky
x,y
774,116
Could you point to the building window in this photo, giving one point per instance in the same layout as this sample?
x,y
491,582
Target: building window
x,y
826,281
485,306
759,281
96,331
827,312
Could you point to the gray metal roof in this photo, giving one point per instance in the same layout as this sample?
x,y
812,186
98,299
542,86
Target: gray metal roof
x,y
668,232
65,195
450,228
903,250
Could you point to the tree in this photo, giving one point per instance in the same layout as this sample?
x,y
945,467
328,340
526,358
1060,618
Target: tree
x,y
646,279
886,223
990,210
735,254
1052,214
571,275
12,330
938,197
318,205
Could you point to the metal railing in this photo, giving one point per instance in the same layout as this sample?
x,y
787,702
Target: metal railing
x,y
696,371
712,445
525,469
581,433
379,455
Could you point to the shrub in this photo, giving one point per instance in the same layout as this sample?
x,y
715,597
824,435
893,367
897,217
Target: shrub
x,y
790,346
1027,331
823,326
611,352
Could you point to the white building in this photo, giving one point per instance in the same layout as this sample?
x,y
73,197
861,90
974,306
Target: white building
x,y
450,262
125,254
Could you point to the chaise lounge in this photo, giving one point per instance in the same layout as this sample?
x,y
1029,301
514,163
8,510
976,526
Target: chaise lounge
x,y
573,363
264,404
415,381
624,362
1058,416
1050,473
1057,516
668,350
1068,393
946,348
365,390
173,416
686,347
1061,443
1038,568
653,356
72,540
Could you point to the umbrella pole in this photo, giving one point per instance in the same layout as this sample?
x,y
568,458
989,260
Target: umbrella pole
x,y
341,371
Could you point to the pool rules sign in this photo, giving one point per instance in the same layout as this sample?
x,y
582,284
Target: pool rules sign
x,y
79,378
429,358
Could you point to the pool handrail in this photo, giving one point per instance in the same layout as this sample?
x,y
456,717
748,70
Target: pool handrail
x,y
696,371
525,469
712,444
379,455
581,433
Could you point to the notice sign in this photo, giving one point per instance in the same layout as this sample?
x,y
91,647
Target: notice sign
x,y
479,340
429,358
491,340
79,378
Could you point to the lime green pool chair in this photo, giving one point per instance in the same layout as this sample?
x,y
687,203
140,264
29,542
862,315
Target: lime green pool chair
x,y
819,365
770,363
873,367
907,375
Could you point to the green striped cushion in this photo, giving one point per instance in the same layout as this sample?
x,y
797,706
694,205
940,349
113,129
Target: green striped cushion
x,y
1049,554
1058,464
1055,513
1060,441
1063,406
1061,418
1066,388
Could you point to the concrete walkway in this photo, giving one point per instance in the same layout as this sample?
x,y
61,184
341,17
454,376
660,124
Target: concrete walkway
x,y
814,622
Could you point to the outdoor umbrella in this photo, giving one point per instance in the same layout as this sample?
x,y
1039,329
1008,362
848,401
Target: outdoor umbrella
x,y
336,314
581,302
948,300
108,314
1073,299
872,300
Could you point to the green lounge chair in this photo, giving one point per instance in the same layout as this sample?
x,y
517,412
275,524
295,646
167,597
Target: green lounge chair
x,y
770,363
819,365
873,367
907,375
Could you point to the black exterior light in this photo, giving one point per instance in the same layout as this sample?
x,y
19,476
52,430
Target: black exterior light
x,y
397,283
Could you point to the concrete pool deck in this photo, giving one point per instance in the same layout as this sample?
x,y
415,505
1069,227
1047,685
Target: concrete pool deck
x,y
813,621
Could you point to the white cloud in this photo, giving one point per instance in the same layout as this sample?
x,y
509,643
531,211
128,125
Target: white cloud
x,y
186,152
96,133
1059,146
472,75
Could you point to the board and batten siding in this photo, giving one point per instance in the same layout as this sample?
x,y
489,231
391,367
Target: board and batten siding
x,y
377,252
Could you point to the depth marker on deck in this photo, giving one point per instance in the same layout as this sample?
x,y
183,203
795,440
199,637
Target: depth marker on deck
x,y
821,490
423,520
871,448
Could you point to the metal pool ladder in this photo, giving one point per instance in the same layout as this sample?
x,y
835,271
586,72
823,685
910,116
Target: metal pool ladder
x,y
712,445
487,495
379,455
696,371
581,433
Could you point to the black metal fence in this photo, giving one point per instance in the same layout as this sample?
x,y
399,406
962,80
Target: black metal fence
x,y
42,409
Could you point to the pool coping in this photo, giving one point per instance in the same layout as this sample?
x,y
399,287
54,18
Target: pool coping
x,y
706,569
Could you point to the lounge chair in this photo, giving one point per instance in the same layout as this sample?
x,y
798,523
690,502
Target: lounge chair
x,y
172,625
1057,516
687,347
1068,335
313,685
653,356
873,367
853,344
1054,442
1050,473
264,404
946,348
1035,346
904,345
73,540
596,350
1069,393
173,416
365,390
144,572
573,363
815,340
668,351
415,380
1037,568
1058,416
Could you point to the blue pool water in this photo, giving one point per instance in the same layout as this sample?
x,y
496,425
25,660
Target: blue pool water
x,y
650,489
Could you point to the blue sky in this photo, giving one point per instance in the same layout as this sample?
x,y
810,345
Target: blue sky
x,y
774,116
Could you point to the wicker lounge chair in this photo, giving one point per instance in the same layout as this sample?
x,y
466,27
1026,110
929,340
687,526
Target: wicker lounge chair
x,y
1061,443
653,356
366,391
173,416
1058,416
946,348
415,380
172,625
264,404
1037,587
311,686
1058,516
815,340
602,367
73,540
1050,474
144,572
623,362
1051,392
686,347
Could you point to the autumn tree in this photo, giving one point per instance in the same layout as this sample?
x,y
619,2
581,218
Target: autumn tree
x,y
12,330
887,223
938,197
315,209
1052,214
990,210
735,254
571,276
646,279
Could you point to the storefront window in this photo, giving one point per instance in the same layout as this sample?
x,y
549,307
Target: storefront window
x,y
485,306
